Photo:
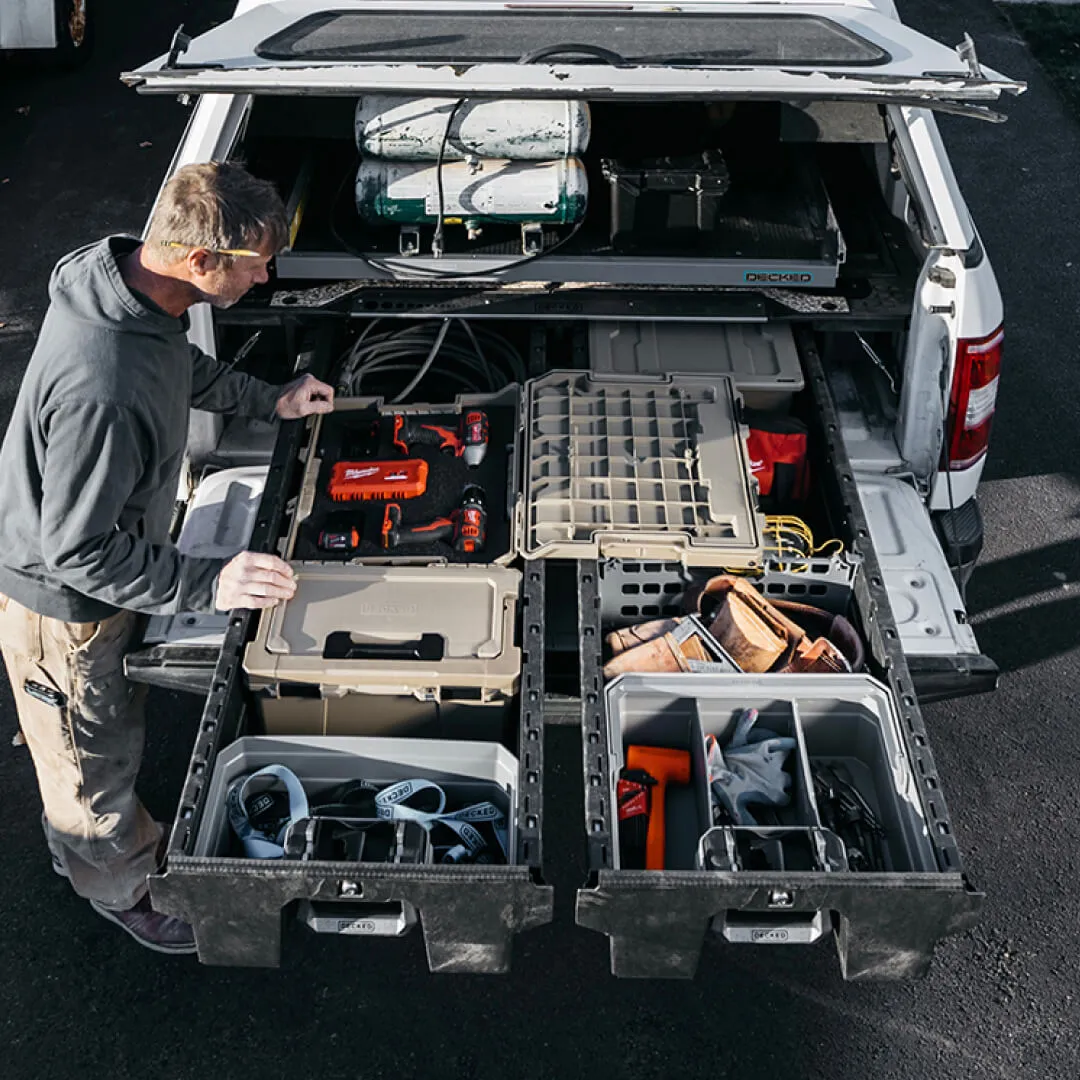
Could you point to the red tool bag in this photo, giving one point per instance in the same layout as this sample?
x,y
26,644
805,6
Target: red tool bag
x,y
778,459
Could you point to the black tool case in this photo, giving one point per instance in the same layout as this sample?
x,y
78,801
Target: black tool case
x,y
886,923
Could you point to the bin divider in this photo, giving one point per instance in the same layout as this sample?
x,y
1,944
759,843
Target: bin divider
x,y
699,772
809,806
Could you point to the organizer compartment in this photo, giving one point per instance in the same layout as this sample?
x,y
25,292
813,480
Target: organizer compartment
x,y
638,468
779,716
857,731
845,720
672,724
469,772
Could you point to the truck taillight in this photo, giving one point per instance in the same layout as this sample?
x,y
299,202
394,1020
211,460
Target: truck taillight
x,y
973,398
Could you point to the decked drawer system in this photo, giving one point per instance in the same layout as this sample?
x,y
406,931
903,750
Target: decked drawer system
x,y
430,664
887,920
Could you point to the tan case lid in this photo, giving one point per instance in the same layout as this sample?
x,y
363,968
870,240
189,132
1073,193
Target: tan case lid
x,y
472,608
652,467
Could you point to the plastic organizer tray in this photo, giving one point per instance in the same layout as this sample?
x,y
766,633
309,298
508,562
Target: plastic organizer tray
x,y
638,468
845,721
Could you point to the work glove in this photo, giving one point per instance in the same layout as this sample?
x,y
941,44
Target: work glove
x,y
749,770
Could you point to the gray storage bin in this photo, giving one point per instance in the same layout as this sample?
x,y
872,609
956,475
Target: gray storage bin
x,y
836,719
468,771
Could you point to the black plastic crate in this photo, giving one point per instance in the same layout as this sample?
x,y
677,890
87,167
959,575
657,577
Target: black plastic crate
x,y
665,201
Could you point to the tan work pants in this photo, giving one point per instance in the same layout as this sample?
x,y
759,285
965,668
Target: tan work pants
x,y
84,725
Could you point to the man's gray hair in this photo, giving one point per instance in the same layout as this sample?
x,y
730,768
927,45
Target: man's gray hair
x,y
216,205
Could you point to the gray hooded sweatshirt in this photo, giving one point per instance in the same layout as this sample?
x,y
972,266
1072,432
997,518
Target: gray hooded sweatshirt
x,y
91,460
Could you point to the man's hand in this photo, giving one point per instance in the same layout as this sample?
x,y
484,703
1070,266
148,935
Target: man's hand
x,y
254,580
304,396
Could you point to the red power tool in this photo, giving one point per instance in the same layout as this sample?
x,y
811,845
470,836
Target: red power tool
x,y
470,441
465,528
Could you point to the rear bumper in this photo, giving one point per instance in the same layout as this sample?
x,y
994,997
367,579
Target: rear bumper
x,y
960,532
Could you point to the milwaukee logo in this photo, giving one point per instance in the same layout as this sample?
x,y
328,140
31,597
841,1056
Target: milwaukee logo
x,y
373,470
778,277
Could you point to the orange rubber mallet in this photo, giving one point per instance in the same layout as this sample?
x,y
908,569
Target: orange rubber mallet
x,y
665,766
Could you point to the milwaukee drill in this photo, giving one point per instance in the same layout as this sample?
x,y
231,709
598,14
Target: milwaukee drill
x,y
465,528
470,441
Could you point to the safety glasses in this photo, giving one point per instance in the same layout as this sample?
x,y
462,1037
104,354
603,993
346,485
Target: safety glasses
x,y
213,251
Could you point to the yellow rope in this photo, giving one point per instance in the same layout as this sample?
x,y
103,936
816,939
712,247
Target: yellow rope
x,y
791,537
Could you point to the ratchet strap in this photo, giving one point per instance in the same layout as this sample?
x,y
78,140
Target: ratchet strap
x,y
261,819
249,805
391,803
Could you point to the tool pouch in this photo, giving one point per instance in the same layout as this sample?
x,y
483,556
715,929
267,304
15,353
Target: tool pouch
x,y
818,655
619,641
654,646
754,631
835,645
779,636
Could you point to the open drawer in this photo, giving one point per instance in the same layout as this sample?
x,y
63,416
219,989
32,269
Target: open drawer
x,y
355,718
890,888
861,848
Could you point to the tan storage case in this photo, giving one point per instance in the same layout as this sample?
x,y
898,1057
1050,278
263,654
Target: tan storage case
x,y
413,629
387,609
650,467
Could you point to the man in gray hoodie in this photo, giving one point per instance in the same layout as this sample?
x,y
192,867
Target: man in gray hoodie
x,y
90,465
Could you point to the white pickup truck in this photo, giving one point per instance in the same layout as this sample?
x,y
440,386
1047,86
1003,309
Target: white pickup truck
x,y
627,234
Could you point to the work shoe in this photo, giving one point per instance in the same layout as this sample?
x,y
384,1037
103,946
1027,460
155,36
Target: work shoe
x,y
162,933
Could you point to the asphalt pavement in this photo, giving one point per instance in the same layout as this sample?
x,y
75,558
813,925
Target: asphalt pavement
x,y
81,156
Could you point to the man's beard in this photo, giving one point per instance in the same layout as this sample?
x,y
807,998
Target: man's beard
x,y
221,302
216,300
